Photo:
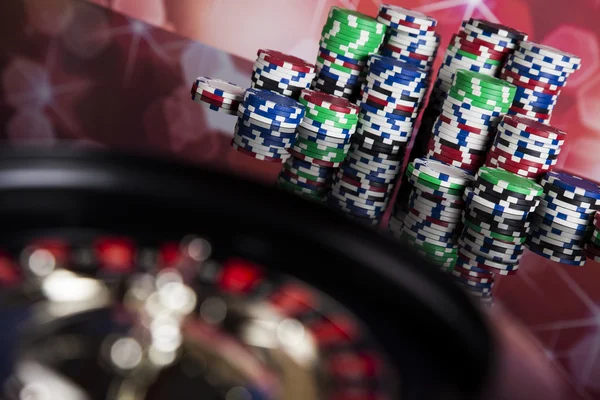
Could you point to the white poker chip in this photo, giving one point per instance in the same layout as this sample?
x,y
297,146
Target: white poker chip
x,y
221,88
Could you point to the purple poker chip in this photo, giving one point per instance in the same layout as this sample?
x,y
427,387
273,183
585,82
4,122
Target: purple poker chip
x,y
572,183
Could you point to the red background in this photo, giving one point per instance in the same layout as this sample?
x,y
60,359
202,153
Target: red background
x,y
73,70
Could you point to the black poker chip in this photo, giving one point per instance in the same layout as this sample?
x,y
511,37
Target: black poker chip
x,y
378,139
577,256
386,92
366,143
523,206
526,150
502,193
457,146
571,197
517,232
535,109
378,154
483,216
489,244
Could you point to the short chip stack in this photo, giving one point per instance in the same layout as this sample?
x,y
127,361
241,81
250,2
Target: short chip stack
x,y
281,73
347,39
389,103
564,217
592,247
525,147
266,126
434,210
410,36
495,228
321,145
473,107
218,95
540,72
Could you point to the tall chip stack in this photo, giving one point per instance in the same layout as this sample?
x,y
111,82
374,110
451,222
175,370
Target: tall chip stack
x,y
525,147
540,72
347,40
563,221
434,211
410,36
480,46
281,73
469,115
592,246
389,103
323,139
266,127
495,228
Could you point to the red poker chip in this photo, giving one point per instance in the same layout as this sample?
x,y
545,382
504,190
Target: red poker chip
x,y
452,152
428,218
360,185
495,163
530,113
530,81
329,101
459,125
216,103
466,277
212,96
301,179
534,127
520,160
516,164
464,35
345,64
407,53
239,276
115,254
530,86
286,61
472,166
473,48
322,163
384,103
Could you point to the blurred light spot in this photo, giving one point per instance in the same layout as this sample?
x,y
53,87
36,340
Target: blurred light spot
x,y
35,391
238,393
142,287
197,248
64,286
25,84
89,32
166,335
167,276
290,332
161,357
213,310
41,262
177,297
126,353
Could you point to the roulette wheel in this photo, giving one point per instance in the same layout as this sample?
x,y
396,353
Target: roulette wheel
x,y
127,277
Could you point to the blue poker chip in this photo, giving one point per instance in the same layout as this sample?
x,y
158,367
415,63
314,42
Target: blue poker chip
x,y
296,77
340,57
537,67
561,79
418,234
404,58
396,75
551,226
375,118
334,74
531,138
273,113
256,133
534,102
573,184
390,63
475,68
268,129
272,99
384,114
563,217
459,112
393,79
401,93
548,60
386,132
363,202
488,116
525,72
558,209
351,172
490,257
393,98
267,141
459,136
545,97
314,168
323,127
540,233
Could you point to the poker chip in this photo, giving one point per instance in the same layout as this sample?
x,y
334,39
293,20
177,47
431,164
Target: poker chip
x,y
540,72
217,95
281,73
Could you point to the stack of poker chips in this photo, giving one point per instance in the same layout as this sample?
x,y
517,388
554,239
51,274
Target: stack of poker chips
x,y
389,103
564,217
495,228
540,72
410,36
323,139
434,210
282,73
347,39
266,126
473,107
217,94
592,246
480,46
525,147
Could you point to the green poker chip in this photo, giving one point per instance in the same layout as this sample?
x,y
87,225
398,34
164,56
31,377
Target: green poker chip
x,y
482,97
434,250
452,192
348,47
474,56
351,32
508,180
319,155
433,180
333,47
359,39
313,114
494,235
357,19
325,120
502,109
312,146
327,111
471,87
472,77
302,174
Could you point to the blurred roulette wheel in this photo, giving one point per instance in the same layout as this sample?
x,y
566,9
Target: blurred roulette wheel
x,y
125,277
